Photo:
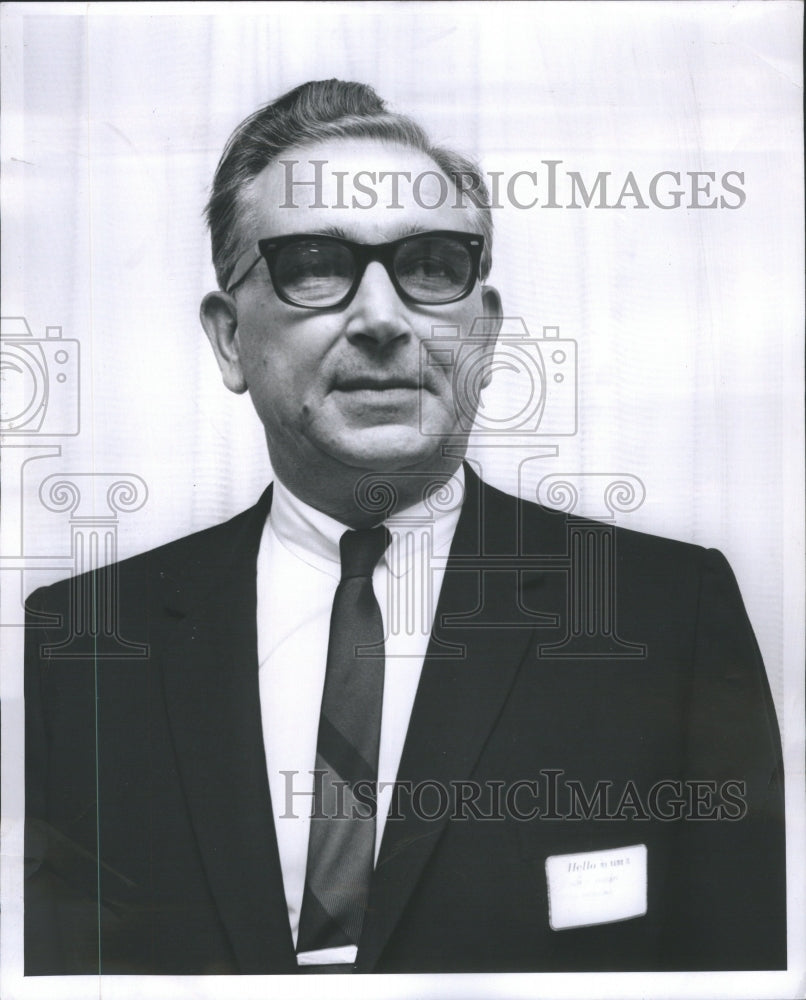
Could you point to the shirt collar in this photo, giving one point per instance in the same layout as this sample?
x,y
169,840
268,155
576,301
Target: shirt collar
x,y
314,537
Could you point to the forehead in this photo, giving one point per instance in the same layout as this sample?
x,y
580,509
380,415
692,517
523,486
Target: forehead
x,y
367,190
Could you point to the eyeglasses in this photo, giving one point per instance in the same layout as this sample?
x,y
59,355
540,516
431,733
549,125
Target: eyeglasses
x,y
323,272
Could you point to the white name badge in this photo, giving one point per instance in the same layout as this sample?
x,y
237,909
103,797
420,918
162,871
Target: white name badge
x,y
596,887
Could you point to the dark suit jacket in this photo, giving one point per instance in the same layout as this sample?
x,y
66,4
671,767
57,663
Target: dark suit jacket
x,y
148,800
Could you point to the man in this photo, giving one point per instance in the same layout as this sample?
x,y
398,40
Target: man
x,y
366,725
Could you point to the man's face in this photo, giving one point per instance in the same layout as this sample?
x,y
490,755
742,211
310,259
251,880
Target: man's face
x,y
346,386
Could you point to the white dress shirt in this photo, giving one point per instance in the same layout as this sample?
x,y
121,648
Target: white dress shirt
x,y
298,570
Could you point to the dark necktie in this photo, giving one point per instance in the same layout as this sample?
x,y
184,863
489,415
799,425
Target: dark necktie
x,y
342,837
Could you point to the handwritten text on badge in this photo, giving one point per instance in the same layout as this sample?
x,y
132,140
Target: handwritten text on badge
x,y
596,887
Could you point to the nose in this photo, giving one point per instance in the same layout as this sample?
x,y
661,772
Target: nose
x,y
378,316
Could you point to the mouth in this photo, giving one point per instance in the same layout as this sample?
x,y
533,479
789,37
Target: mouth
x,y
374,384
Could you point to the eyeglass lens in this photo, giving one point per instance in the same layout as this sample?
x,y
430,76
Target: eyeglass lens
x,y
316,272
321,272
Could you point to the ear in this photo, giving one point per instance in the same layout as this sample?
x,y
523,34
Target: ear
x,y
219,317
493,320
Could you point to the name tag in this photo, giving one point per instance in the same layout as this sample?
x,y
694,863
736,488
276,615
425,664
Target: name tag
x,y
596,887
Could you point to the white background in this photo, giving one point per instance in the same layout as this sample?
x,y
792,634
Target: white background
x,y
688,322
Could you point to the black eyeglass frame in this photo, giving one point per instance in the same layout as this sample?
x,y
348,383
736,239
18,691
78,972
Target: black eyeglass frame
x,y
363,254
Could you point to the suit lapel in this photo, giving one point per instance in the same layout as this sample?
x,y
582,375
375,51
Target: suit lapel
x,y
212,697
458,699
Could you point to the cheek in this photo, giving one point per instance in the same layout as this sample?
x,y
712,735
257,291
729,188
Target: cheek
x,y
284,375
473,318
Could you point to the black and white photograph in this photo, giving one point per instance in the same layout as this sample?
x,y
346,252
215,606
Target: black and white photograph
x,y
402,541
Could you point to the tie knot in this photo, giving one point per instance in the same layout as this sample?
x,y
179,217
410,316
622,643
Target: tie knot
x,y
361,550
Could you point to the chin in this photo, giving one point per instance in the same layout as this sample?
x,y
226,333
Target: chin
x,y
388,449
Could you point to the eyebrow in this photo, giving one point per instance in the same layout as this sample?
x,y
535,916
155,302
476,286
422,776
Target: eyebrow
x,y
410,229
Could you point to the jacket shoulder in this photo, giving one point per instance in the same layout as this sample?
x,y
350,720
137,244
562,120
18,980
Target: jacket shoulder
x,y
196,557
538,528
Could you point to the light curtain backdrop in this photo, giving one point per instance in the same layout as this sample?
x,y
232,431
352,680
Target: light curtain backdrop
x,y
687,322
